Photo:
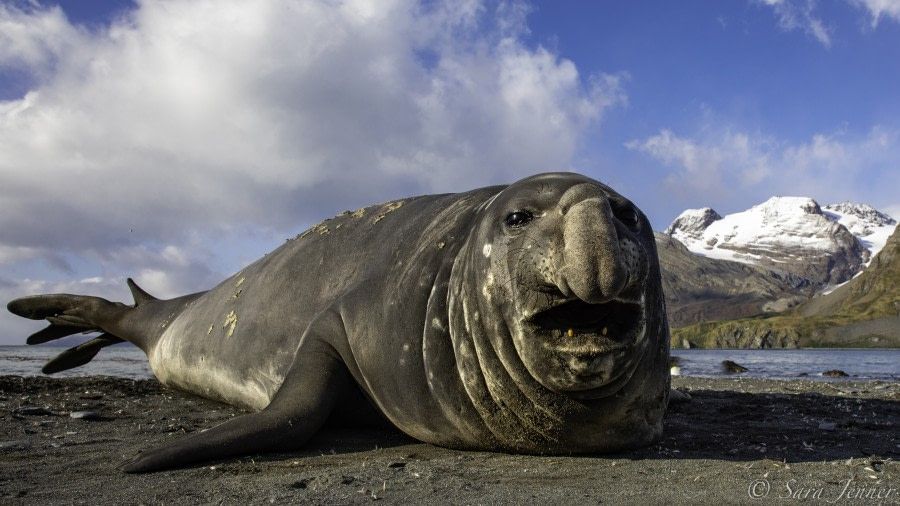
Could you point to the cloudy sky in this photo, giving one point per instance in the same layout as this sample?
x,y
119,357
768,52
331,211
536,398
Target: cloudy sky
x,y
176,141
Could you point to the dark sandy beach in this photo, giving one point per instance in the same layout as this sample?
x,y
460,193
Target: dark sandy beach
x,y
736,441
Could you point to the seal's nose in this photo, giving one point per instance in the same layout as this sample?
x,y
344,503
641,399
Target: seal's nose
x,y
594,268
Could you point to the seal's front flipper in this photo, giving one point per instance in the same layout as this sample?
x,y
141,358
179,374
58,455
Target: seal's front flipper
x,y
315,381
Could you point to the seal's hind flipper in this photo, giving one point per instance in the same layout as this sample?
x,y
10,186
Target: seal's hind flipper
x,y
79,355
140,324
67,314
58,309
54,332
39,307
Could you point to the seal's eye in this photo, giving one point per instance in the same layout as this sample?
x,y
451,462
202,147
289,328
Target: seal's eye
x,y
519,219
629,217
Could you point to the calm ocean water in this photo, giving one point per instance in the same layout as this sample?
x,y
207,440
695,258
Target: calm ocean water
x,y
130,362
794,364
123,360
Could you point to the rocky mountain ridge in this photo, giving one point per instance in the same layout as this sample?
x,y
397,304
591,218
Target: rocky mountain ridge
x,y
702,289
769,258
864,312
826,246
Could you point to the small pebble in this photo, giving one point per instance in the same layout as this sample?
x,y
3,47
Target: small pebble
x,y
86,415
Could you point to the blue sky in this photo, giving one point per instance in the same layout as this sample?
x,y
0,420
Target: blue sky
x,y
176,141
704,70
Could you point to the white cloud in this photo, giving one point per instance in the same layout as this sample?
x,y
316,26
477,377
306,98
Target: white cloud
x,y
731,170
879,9
34,40
9,254
191,122
708,167
798,15
196,114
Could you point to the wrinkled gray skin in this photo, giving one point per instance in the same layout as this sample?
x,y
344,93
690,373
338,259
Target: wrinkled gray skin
x,y
455,317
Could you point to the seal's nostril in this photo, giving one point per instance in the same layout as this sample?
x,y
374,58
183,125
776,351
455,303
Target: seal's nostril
x,y
553,290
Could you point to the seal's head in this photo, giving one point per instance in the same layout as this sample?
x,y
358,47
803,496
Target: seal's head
x,y
567,271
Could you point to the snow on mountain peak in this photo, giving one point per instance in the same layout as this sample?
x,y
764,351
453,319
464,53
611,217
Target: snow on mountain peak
x,y
693,222
793,234
863,216
870,226
788,206
778,223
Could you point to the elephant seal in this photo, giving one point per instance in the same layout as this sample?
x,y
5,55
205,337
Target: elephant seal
x,y
526,318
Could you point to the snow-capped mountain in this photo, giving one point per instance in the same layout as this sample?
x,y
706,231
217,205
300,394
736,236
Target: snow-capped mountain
x,y
792,234
870,226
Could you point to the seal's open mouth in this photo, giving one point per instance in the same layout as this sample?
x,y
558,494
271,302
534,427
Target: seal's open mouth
x,y
578,327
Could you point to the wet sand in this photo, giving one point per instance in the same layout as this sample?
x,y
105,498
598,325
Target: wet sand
x,y
735,441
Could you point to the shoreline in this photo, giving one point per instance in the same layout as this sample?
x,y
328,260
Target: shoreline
x,y
734,440
860,364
